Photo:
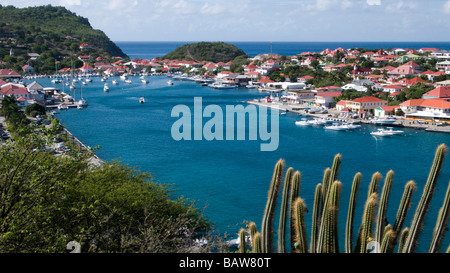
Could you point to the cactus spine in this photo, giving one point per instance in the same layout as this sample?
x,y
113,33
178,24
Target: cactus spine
x,y
424,202
267,222
441,222
351,213
384,199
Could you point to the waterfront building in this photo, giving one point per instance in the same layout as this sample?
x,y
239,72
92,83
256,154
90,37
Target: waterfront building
x,y
441,92
9,74
384,111
427,109
367,104
327,99
16,90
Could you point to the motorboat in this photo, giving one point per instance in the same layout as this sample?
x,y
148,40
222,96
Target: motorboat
x,y
383,121
105,87
144,80
170,82
115,82
352,125
141,100
381,132
303,122
336,127
63,106
82,102
392,131
89,80
128,81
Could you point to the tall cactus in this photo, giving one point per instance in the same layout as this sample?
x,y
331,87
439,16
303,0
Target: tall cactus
x,y
284,211
295,193
402,240
242,242
300,241
328,236
441,222
424,202
316,218
405,204
351,213
257,243
367,222
373,186
384,199
269,211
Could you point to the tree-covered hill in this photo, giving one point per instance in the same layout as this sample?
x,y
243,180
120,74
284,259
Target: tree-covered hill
x,y
206,51
53,31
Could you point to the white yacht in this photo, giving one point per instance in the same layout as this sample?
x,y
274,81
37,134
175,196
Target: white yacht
x,y
383,121
392,131
105,87
380,132
303,122
336,127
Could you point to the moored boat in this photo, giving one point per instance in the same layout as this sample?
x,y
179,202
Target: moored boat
x,y
337,127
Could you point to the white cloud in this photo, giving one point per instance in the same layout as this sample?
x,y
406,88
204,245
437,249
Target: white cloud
x,y
374,2
446,7
70,2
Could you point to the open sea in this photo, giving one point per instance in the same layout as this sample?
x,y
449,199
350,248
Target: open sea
x,y
229,180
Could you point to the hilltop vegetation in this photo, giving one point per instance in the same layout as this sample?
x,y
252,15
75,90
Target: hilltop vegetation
x,y
53,32
206,51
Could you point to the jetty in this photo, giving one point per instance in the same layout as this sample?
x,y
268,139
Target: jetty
x,y
334,115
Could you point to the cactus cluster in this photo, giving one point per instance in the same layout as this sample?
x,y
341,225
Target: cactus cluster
x,y
324,231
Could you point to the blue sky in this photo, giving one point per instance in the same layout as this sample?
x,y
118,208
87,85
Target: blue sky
x,y
262,20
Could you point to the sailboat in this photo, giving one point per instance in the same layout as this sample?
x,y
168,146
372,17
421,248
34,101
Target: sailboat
x,y
105,87
82,101
56,79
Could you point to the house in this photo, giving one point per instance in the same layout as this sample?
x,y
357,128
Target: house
x,y
224,74
300,96
327,99
443,66
367,103
304,79
431,74
384,111
441,92
392,88
85,58
341,105
424,50
16,90
443,83
209,66
441,54
9,74
86,68
27,68
411,82
85,46
408,69
426,108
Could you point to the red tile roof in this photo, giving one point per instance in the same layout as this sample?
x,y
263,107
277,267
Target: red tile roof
x,y
433,103
439,92
367,99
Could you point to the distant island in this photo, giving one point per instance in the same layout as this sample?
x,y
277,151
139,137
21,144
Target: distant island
x,y
206,51
40,36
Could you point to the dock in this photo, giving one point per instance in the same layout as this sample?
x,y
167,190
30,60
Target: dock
x,y
335,116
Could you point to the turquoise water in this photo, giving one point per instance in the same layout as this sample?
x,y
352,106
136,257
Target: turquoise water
x,y
229,179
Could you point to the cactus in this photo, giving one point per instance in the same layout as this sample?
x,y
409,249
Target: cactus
x,y
441,222
424,202
242,244
316,218
328,237
267,222
257,243
384,199
295,192
324,235
405,204
301,243
367,222
351,213
284,211
403,237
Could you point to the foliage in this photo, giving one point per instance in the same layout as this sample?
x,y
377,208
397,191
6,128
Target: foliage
x,y
47,201
206,51
43,30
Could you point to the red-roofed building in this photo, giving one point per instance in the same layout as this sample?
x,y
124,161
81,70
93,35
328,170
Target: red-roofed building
x,y
442,92
305,78
15,90
367,103
392,88
8,73
209,66
384,111
86,68
426,108
411,82
85,46
327,99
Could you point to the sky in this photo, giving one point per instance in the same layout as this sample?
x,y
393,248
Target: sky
x,y
262,20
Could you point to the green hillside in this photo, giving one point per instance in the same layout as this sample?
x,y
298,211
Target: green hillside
x,y
206,51
52,32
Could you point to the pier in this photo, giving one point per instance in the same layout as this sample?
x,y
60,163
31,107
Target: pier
x,y
335,116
